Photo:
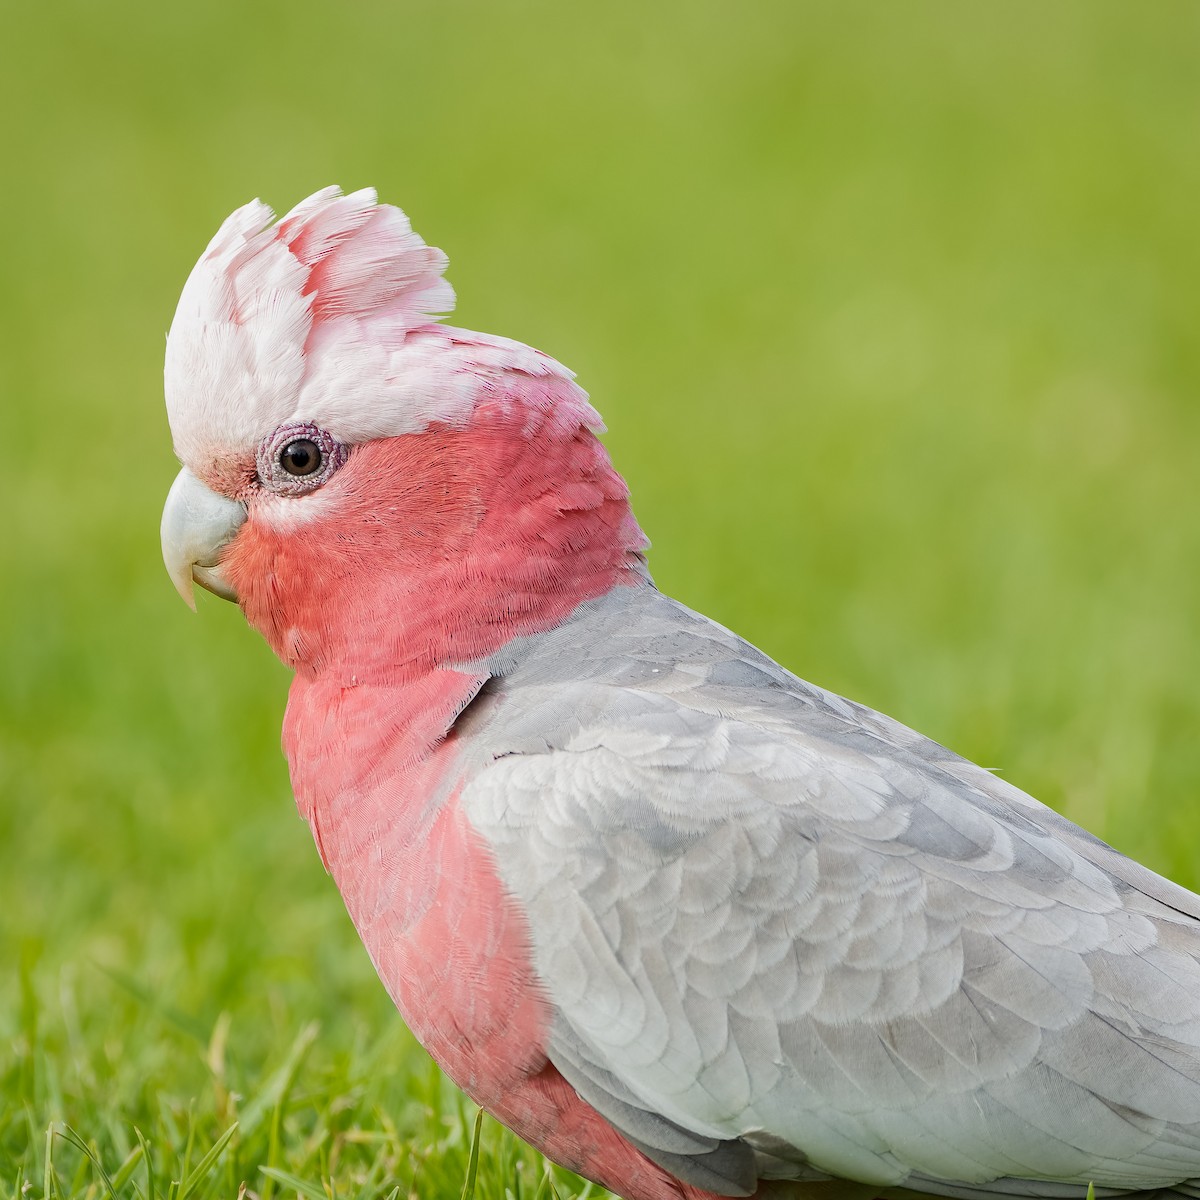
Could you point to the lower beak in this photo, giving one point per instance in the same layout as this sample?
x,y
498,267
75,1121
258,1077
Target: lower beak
x,y
197,525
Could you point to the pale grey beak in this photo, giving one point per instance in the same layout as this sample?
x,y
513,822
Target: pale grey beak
x,y
197,524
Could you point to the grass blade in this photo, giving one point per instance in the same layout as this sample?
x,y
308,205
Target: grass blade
x,y
304,1187
204,1165
468,1192
279,1085
69,1135
48,1188
126,1169
151,1193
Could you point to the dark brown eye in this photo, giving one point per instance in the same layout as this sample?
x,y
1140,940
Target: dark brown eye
x,y
297,458
301,457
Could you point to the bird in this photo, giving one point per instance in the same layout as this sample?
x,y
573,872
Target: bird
x,y
690,925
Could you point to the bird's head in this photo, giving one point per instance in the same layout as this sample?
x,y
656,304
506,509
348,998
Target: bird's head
x,y
379,492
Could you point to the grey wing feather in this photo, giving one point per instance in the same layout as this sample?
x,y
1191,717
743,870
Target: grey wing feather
x,y
786,936
724,1165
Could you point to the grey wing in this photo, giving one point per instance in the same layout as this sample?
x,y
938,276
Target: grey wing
x,y
804,943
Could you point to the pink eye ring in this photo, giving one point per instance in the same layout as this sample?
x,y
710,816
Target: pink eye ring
x,y
298,458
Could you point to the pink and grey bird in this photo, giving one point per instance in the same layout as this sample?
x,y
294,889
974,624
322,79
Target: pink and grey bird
x,y
688,924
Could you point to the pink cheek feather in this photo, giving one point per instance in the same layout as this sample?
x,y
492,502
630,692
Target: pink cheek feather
x,y
439,547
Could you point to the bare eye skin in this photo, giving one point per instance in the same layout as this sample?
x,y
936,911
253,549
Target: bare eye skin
x,y
298,458
301,457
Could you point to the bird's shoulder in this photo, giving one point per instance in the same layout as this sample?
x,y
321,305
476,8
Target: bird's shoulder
x,y
669,699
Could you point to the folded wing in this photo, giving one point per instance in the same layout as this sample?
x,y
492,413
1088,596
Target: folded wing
x,y
793,939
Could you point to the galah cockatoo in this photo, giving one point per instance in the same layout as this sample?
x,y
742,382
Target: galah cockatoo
x,y
688,924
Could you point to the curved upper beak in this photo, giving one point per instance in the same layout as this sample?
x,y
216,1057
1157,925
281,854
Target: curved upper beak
x,y
197,525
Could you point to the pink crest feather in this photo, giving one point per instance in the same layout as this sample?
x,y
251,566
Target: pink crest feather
x,y
364,259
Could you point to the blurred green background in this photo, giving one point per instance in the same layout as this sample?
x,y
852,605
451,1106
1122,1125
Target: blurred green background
x,y
891,309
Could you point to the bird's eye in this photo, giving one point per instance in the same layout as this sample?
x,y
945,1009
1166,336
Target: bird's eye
x,y
298,458
301,457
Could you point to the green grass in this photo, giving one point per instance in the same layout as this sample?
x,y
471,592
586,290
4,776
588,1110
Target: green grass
x,y
892,310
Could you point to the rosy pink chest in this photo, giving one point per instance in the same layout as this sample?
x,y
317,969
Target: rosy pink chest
x,y
450,945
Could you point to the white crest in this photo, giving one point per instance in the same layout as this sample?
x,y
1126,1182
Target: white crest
x,y
308,319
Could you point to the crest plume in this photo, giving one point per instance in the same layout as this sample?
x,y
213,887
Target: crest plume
x,y
269,307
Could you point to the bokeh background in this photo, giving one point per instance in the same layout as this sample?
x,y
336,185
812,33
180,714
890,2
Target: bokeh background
x,y
892,312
